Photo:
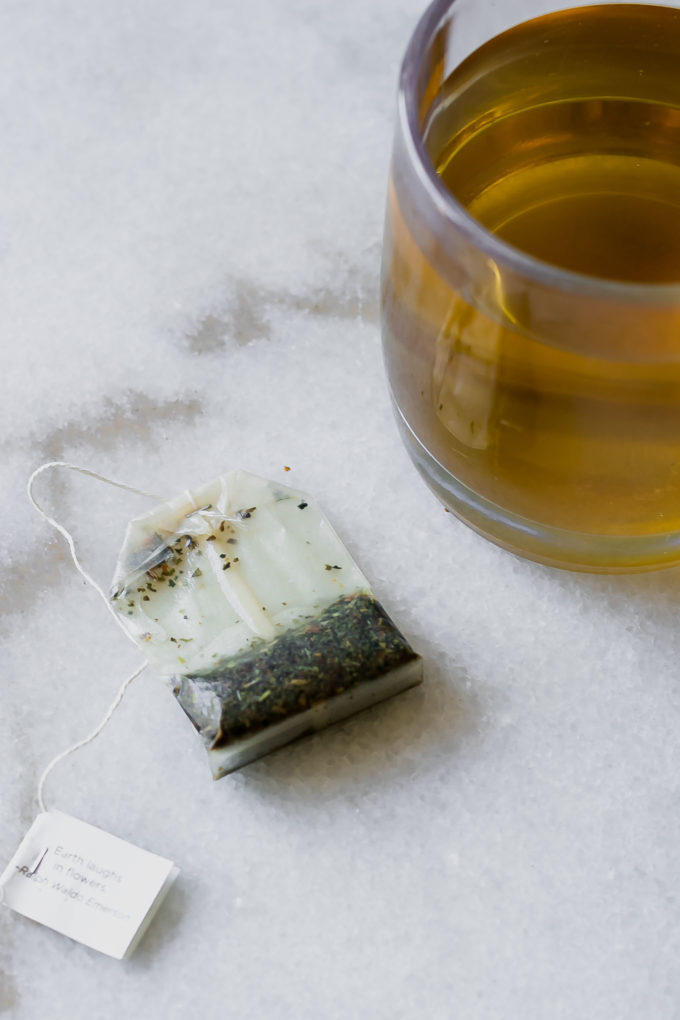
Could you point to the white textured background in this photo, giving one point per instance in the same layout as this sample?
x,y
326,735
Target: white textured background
x,y
191,209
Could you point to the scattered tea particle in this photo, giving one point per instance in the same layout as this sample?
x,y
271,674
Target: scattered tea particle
x,y
286,468
221,525
145,598
303,505
172,584
226,565
197,572
245,709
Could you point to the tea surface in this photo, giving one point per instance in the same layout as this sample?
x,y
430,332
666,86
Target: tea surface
x,y
581,169
561,136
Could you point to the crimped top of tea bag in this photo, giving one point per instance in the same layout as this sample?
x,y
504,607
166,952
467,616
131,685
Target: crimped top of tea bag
x,y
219,569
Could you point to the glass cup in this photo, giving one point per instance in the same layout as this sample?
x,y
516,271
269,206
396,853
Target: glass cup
x,y
540,400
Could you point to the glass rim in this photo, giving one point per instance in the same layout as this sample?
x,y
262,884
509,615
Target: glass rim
x,y
452,211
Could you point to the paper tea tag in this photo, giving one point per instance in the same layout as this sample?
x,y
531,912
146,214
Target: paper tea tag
x,y
85,883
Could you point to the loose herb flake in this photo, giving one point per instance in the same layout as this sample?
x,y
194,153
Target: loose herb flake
x,y
351,642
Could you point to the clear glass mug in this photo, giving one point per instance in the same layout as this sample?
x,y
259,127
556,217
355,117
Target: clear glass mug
x,y
540,403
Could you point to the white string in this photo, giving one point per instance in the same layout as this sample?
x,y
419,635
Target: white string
x,y
91,581
67,535
88,740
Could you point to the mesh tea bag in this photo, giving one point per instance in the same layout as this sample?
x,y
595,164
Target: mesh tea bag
x,y
243,593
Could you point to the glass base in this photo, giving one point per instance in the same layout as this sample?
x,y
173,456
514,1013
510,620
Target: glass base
x,y
556,547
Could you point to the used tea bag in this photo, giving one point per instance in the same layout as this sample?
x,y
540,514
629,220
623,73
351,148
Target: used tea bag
x,y
243,593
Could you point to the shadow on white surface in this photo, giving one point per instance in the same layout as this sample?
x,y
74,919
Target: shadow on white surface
x,y
385,744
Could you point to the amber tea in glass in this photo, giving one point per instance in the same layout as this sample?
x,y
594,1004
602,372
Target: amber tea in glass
x,y
531,276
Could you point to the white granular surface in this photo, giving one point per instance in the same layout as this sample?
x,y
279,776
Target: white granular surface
x,y
191,210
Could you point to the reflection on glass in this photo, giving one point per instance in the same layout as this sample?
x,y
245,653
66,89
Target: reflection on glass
x,y
531,278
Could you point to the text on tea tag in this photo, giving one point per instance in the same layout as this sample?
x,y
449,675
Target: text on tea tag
x,y
86,884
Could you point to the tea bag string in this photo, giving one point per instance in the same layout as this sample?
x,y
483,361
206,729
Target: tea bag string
x,y
93,584
88,739
68,536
